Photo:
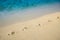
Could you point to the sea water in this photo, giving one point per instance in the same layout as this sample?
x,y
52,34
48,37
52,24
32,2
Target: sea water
x,y
12,11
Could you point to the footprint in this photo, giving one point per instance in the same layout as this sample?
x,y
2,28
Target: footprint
x,y
24,28
49,20
8,34
38,24
12,33
58,17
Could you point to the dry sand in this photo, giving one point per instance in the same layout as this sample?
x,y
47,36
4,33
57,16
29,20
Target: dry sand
x,y
43,28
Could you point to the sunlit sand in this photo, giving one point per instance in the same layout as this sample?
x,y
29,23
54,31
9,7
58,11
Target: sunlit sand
x,y
42,28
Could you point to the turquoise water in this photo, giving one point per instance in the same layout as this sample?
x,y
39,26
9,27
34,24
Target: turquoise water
x,y
10,5
13,11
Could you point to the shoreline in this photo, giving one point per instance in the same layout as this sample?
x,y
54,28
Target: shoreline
x,y
42,28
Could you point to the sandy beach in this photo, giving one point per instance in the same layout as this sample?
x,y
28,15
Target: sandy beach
x,y
42,28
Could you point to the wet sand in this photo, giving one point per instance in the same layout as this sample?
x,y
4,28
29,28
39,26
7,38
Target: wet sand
x,y
42,28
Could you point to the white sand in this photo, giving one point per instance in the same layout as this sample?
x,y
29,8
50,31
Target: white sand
x,y
43,28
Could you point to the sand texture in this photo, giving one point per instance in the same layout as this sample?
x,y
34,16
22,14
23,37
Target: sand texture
x,y
42,28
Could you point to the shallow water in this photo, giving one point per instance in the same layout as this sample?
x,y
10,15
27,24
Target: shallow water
x,y
23,10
